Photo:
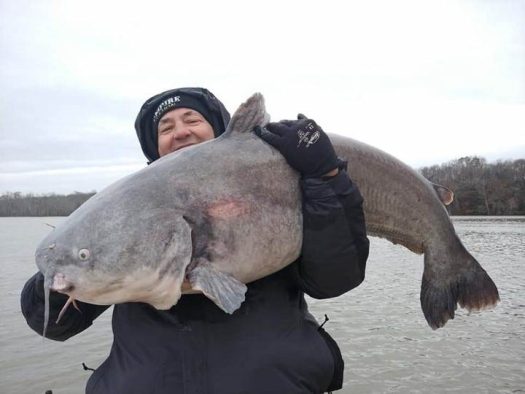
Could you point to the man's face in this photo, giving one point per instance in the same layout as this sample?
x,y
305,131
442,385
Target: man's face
x,y
180,128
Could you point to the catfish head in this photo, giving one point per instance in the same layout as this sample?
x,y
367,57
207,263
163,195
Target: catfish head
x,y
109,251
132,243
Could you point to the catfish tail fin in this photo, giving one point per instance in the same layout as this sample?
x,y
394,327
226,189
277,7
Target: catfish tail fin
x,y
471,288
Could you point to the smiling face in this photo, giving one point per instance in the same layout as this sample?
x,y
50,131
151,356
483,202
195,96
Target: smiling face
x,y
180,128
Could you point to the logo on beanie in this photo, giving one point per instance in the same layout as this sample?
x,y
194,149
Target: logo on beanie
x,y
164,106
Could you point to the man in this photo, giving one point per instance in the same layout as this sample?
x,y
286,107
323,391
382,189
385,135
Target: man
x,y
271,344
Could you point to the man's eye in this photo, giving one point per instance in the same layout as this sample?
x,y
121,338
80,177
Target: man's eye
x,y
193,120
164,131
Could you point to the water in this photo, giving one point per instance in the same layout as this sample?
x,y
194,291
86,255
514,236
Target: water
x,y
386,343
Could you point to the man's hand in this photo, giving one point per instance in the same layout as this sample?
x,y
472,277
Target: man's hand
x,y
304,145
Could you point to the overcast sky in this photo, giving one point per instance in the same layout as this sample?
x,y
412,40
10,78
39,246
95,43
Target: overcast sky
x,y
427,81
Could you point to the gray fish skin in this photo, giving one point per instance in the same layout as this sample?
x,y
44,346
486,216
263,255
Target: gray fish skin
x,y
232,204
405,208
228,212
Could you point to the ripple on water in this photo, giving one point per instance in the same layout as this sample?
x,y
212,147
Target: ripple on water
x,y
385,340
387,345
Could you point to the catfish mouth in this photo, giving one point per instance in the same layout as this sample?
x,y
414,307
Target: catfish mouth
x,y
61,284
103,293
68,290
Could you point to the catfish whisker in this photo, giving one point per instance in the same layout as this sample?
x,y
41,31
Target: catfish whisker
x,y
69,301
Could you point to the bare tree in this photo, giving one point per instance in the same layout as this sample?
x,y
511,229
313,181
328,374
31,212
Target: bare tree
x,y
482,188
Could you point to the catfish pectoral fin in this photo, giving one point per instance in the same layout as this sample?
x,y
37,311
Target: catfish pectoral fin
x,y
223,289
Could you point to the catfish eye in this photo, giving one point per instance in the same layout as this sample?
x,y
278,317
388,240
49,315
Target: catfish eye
x,y
83,254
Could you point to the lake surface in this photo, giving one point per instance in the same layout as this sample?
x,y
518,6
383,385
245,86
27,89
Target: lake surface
x,y
386,343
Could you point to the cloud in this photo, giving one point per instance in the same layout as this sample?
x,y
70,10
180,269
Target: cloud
x,y
49,124
425,81
65,180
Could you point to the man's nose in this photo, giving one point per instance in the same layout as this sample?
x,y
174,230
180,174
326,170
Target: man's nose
x,y
181,132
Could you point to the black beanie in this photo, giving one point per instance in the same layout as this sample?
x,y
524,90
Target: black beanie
x,y
198,99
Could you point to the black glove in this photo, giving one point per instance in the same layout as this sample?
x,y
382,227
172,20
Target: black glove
x,y
304,145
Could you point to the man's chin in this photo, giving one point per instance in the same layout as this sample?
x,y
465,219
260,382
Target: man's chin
x,y
177,149
182,147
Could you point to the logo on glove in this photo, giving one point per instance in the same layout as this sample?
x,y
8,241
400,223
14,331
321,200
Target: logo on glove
x,y
309,137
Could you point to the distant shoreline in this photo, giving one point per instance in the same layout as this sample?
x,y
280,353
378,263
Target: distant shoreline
x,y
480,189
452,216
29,205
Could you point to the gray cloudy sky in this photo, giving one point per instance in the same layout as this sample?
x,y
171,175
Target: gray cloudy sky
x,y
428,81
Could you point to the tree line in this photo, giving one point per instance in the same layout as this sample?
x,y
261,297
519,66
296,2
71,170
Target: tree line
x,y
18,204
480,188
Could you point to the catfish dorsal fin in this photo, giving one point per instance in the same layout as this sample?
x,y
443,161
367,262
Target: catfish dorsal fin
x,y
249,114
445,195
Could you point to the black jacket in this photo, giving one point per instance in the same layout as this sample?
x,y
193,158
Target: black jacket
x,y
270,345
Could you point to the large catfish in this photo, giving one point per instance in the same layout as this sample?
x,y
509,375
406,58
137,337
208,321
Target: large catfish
x,y
228,211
